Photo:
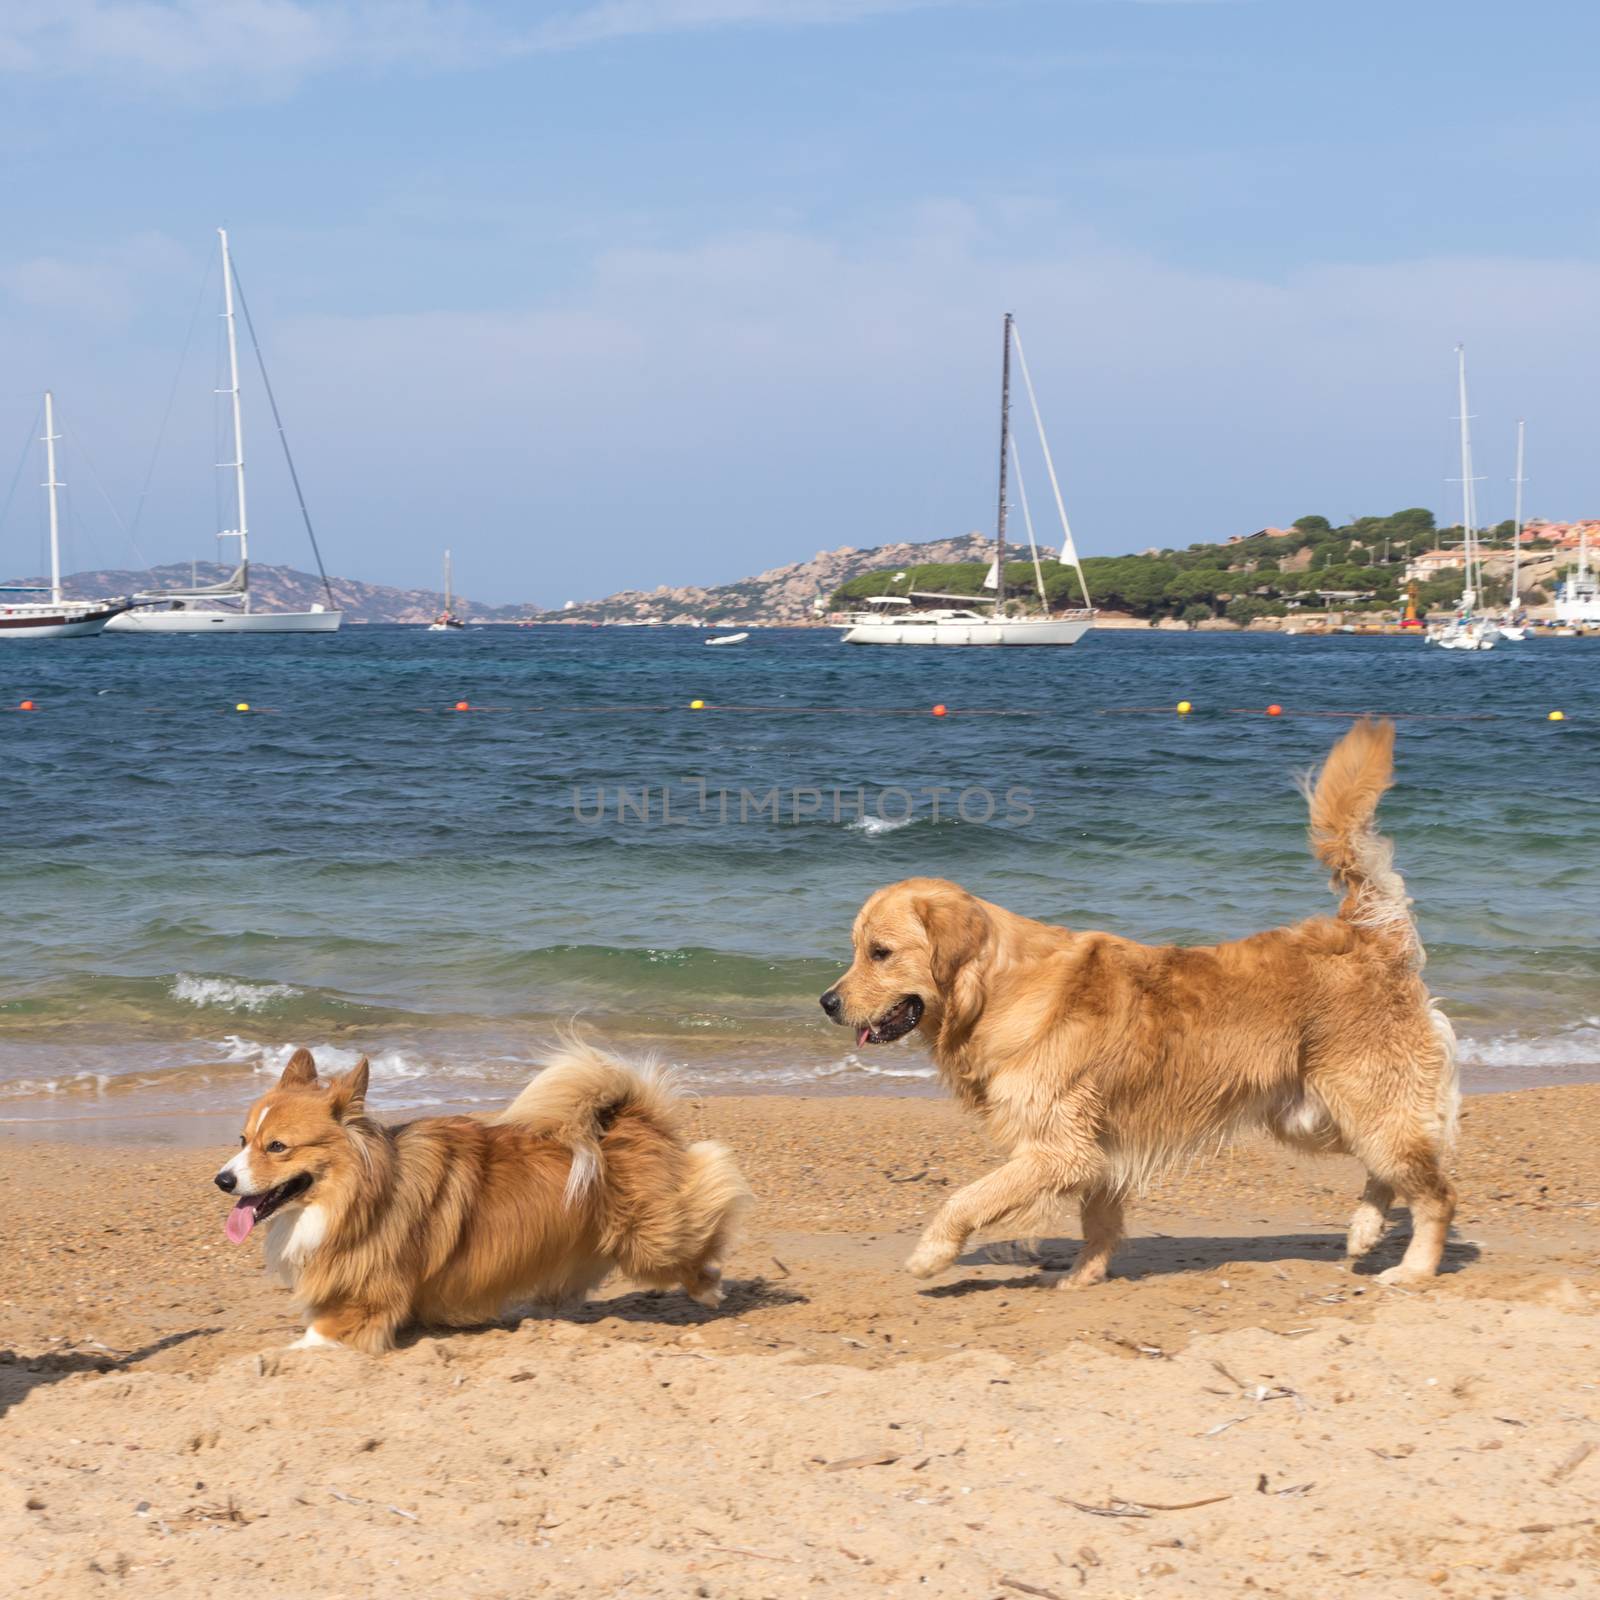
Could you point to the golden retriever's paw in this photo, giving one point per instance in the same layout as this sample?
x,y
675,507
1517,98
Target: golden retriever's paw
x,y
1083,1277
705,1288
1404,1277
931,1256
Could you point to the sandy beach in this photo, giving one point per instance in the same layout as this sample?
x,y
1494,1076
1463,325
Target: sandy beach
x,y
1234,1411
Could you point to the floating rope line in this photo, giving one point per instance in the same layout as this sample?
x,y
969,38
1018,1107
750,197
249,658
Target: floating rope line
x,y
1182,710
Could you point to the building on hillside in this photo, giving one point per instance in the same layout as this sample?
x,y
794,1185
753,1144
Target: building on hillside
x,y
1561,535
1433,564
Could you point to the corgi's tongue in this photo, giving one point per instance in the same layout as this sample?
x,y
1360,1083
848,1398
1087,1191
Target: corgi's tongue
x,y
241,1220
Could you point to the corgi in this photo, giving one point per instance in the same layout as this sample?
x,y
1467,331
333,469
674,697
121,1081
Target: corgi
x,y
447,1220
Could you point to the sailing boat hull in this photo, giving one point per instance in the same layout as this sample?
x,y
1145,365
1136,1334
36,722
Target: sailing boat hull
x,y
53,622
198,619
969,631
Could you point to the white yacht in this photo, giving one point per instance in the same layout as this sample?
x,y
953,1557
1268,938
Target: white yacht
x,y
1578,603
894,619
226,607
57,617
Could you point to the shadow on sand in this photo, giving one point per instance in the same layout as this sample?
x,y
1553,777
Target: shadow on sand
x,y
659,1307
21,1374
1161,1256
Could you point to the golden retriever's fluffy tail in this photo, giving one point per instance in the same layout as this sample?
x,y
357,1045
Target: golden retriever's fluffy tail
x,y
1344,801
580,1094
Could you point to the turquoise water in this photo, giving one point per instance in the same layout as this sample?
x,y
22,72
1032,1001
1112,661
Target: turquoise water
x,y
186,892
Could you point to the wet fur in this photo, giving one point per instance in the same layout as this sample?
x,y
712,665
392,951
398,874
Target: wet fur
x,y
1097,1062
447,1220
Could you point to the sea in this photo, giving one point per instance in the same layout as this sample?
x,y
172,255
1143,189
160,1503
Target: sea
x,y
664,844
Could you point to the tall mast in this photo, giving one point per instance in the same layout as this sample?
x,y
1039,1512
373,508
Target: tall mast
x,y
447,583
1469,553
1005,445
1516,533
242,532
50,437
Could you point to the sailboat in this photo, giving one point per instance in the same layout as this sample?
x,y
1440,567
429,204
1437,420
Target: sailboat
x,y
226,607
1511,630
55,618
447,619
892,619
1466,630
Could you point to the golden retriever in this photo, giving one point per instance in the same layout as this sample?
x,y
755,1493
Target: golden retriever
x,y
1096,1062
444,1221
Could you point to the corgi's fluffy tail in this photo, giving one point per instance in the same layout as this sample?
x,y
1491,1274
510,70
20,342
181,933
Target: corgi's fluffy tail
x,y
580,1093
715,1196
1344,802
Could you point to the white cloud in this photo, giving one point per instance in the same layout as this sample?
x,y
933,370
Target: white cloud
x,y
106,287
617,19
277,43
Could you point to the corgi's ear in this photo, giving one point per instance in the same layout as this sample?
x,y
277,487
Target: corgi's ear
x,y
350,1092
302,1069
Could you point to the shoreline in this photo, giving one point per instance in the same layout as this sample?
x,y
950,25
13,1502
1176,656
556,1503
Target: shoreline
x,y
178,1126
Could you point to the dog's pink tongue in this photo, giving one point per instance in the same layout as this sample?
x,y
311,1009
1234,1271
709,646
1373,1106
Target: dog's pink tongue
x,y
863,1033
240,1221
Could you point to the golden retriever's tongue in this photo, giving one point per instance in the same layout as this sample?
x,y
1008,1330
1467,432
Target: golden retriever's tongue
x,y
240,1221
863,1033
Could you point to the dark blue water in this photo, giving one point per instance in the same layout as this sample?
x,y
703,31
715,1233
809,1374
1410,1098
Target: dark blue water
x,y
186,890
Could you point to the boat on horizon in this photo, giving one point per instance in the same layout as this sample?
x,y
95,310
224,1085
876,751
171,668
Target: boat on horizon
x,y
447,619
1514,624
226,607
57,617
1466,630
893,619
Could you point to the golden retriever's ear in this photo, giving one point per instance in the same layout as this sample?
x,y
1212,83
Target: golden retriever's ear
x,y
302,1070
350,1092
957,932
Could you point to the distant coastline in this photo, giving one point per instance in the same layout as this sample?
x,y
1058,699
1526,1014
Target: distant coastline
x,y
1305,576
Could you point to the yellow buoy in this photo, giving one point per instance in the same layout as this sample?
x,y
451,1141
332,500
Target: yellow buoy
x,y
697,705
1557,716
243,705
1184,708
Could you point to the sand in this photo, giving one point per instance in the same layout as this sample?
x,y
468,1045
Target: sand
x,y
1234,1412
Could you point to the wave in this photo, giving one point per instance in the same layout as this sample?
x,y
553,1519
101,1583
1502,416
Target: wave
x,y
873,826
385,1066
229,994
1575,1045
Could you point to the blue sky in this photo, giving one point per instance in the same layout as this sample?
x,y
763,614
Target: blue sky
x,y
608,292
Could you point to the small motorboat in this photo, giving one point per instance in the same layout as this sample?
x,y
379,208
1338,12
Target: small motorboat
x,y
729,638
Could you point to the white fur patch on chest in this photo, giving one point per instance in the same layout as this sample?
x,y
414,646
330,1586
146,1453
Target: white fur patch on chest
x,y
292,1239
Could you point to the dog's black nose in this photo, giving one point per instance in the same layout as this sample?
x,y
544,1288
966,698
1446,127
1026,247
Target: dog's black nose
x,y
226,1181
832,1004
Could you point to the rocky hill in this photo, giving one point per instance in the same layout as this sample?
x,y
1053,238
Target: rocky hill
x,y
286,589
783,594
